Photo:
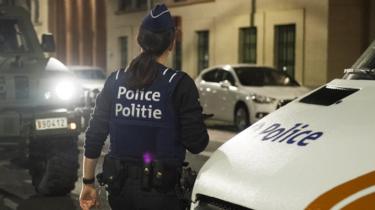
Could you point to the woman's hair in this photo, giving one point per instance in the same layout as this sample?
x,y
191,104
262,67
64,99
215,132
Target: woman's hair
x,y
142,70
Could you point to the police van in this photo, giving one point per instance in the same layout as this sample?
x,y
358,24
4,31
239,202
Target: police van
x,y
315,153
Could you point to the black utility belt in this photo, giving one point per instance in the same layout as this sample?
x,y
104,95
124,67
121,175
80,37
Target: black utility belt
x,y
162,175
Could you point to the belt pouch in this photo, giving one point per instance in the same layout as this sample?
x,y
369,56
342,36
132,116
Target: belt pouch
x,y
165,176
146,176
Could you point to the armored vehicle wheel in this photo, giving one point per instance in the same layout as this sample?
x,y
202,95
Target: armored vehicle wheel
x,y
54,165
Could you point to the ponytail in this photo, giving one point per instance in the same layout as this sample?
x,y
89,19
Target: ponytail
x,y
142,72
143,69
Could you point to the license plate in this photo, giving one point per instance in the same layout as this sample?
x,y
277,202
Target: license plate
x,y
51,123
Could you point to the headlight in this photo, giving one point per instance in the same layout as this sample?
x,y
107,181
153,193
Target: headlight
x,y
65,90
262,99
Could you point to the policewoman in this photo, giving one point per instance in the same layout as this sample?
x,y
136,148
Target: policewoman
x,y
152,115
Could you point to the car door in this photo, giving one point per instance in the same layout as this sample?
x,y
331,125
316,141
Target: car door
x,y
207,90
226,96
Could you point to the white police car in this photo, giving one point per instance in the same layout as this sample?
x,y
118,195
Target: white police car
x,y
243,93
317,152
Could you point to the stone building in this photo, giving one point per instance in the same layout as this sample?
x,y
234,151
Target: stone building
x,y
312,40
78,26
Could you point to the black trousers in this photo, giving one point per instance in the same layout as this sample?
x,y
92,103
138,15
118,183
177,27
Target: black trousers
x,y
132,197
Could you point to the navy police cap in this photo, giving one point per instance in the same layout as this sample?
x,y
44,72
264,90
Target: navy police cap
x,y
159,19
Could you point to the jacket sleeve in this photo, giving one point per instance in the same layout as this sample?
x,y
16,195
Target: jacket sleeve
x,y
98,129
194,134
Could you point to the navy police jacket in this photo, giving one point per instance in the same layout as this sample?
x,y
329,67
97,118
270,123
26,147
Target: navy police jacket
x,y
143,122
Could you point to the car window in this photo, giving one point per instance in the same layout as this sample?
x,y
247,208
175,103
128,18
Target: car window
x,y
220,75
212,76
261,76
250,76
12,39
228,76
278,78
95,74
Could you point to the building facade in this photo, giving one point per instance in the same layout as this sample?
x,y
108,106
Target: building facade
x,y
78,26
314,41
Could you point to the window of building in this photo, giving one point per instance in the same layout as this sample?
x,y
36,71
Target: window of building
x,y
285,47
7,2
203,50
141,4
124,50
131,5
184,2
34,8
177,57
248,45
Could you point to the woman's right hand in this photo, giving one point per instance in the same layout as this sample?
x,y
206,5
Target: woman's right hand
x,y
88,197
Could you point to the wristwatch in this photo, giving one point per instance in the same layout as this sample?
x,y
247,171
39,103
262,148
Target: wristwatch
x,y
88,181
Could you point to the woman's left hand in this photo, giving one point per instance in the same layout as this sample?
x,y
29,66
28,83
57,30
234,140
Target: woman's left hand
x,y
88,197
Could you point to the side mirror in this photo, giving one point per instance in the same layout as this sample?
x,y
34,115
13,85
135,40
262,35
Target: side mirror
x,y
48,43
225,84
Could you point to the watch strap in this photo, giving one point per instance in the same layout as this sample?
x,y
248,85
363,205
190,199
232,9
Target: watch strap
x,y
88,181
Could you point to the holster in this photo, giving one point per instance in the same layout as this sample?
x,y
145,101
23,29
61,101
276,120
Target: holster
x,y
113,175
187,180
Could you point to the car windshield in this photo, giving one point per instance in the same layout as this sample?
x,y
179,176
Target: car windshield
x,y
12,39
92,74
367,59
261,76
364,67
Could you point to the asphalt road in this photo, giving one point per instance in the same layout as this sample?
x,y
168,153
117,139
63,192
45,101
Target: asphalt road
x,y
17,193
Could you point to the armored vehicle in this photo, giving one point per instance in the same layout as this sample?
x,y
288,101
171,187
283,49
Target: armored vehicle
x,y
38,100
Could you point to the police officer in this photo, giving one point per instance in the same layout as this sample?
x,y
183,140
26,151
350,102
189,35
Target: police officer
x,y
152,114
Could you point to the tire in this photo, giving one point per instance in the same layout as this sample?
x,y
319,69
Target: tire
x,y
54,165
241,118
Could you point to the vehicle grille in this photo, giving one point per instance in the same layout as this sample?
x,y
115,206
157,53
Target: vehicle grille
x,y
22,87
210,203
9,125
283,103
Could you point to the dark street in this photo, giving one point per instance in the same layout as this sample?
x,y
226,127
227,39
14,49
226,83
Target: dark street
x,y
17,193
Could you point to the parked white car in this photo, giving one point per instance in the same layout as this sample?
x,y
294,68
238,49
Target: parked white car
x,y
91,77
243,94
317,152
